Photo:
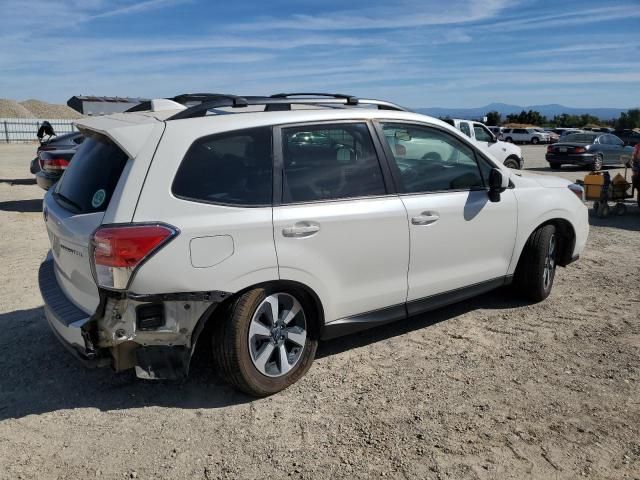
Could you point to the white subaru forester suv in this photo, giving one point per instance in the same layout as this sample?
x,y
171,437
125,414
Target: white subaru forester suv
x,y
265,224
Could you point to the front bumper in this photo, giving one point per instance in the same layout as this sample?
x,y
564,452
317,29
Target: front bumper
x,y
67,321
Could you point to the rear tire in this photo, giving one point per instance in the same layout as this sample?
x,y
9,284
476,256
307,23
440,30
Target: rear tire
x,y
508,139
247,352
597,163
537,266
535,141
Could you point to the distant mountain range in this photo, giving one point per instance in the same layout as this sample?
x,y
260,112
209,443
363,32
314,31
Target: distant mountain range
x,y
505,109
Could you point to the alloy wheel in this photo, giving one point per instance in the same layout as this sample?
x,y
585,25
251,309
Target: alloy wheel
x,y
597,163
277,334
549,263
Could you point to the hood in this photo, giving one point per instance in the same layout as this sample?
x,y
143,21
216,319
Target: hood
x,y
546,181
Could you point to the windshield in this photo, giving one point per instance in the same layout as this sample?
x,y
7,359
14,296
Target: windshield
x,y
580,138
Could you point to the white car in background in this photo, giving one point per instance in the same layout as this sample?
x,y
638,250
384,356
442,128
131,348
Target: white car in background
x,y
508,154
260,227
526,135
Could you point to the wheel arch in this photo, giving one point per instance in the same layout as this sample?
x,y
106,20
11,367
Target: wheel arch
x,y
566,234
308,296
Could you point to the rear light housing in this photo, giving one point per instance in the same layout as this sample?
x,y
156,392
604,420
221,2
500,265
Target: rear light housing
x,y
579,150
550,148
54,164
118,251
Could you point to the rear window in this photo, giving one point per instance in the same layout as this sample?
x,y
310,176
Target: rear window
x,y
92,175
579,138
232,168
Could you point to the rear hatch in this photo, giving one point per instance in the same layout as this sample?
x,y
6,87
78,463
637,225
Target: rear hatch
x,y
75,208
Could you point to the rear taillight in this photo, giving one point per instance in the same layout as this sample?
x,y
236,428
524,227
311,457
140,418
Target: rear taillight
x,y
549,149
117,251
579,150
54,163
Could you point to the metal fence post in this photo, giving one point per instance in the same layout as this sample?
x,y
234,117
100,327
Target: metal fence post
x,y
6,132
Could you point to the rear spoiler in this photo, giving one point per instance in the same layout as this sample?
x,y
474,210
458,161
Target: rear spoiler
x,y
129,135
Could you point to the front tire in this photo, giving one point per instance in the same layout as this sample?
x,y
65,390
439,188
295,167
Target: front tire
x,y
537,266
509,139
512,163
264,343
535,141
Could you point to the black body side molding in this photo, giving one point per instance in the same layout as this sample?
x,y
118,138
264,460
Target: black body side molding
x,y
364,321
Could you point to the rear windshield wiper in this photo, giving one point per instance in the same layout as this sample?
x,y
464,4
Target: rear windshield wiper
x,y
66,200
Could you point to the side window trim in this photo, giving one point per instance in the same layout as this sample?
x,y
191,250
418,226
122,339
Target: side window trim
x,y
390,158
278,161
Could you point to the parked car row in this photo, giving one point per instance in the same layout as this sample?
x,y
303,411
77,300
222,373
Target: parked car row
x,y
264,232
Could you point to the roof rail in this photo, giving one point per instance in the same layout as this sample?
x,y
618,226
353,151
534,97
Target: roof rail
x,y
281,101
351,99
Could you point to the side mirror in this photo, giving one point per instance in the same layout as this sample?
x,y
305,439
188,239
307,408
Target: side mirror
x,y
494,139
498,183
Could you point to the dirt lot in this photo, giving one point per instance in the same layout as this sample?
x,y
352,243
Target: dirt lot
x,y
491,388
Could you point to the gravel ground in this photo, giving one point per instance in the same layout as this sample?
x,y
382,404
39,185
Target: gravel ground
x,y
490,388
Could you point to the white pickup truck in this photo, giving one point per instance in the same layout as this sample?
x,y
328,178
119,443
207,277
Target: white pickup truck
x,y
507,153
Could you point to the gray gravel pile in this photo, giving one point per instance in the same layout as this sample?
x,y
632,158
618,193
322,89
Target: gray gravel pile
x,y
41,109
35,109
12,109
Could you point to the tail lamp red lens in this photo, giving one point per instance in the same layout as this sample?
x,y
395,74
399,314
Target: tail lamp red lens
x,y
579,150
550,149
119,250
54,163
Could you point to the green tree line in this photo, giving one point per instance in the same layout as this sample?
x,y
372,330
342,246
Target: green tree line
x,y
628,119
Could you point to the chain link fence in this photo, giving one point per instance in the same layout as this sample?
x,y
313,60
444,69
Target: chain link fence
x,y
18,130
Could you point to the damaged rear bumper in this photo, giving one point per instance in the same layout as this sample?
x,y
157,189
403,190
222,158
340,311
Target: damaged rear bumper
x,y
114,335
68,322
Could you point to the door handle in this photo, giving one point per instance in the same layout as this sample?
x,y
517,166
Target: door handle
x,y
425,218
301,230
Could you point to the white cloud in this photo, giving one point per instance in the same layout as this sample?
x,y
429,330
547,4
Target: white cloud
x,y
398,14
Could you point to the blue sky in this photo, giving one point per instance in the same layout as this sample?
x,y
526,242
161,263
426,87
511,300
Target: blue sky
x,y
419,53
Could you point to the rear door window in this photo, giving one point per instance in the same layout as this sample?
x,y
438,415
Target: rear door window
x,y
328,162
231,168
88,183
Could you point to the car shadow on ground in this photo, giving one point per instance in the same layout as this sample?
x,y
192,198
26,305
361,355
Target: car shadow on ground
x,y
18,181
34,205
627,221
39,376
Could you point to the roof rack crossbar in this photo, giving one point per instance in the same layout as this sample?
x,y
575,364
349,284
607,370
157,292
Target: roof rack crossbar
x,y
279,102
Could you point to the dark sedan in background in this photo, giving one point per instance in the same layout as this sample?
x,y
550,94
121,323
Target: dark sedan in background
x,y
54,157
592,150
68,141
